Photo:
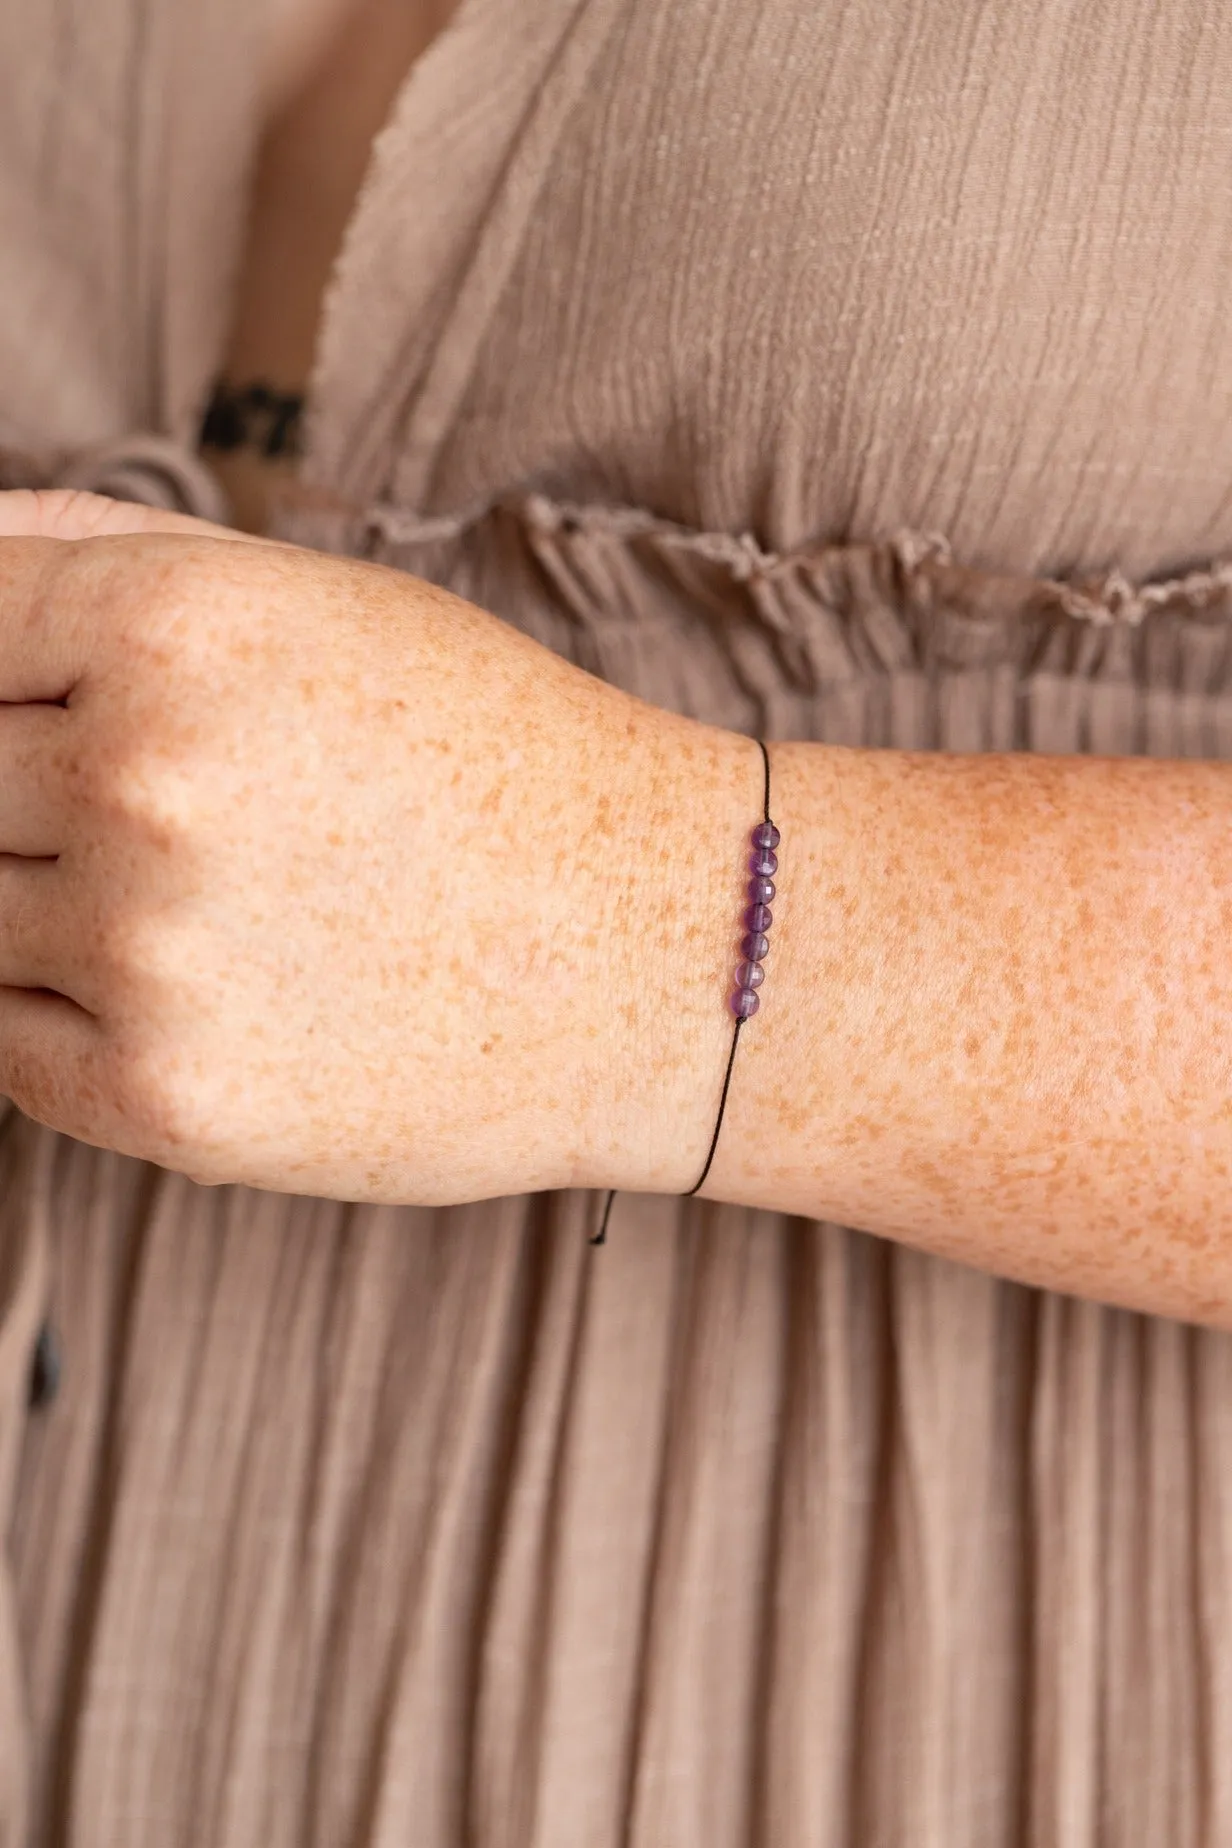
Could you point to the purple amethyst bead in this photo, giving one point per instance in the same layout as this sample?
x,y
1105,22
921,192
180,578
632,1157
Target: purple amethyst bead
x,y
763,862
761,891
744,1003
754,946
750,975
765,834
759,917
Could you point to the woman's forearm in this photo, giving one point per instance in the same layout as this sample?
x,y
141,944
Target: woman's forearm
x,y
994,1020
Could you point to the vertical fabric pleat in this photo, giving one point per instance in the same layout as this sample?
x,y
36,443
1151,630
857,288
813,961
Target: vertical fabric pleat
x,y
358,1525
824,373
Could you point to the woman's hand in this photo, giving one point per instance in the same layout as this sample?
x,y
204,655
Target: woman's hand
x,y
315,877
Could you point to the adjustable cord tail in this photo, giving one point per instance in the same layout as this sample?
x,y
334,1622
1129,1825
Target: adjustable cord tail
x,y
762,863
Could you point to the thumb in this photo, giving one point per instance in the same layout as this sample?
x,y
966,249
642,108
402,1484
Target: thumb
x,y
71,513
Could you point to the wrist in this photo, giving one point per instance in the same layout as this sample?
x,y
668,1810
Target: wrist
x,y
670,891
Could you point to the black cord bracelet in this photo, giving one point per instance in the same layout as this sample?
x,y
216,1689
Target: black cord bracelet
x,y
743,1001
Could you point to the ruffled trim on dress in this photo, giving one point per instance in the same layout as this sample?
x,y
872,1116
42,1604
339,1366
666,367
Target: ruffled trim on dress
x,y
921,566
890,641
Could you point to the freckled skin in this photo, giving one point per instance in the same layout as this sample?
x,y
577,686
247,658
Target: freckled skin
x,y
360,893
346,875
1005,1042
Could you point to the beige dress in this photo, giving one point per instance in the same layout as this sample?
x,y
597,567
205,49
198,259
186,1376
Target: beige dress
x,y
849,373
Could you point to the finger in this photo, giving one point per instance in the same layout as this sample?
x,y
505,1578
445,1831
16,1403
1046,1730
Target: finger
x,y
58,601
48,583
36,950
52,1059
45,619
34,797
72,513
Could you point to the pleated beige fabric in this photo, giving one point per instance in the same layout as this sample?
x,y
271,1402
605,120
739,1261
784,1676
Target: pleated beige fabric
x,y
860,374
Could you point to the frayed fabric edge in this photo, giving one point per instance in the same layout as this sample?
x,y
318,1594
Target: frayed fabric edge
x,y
924,562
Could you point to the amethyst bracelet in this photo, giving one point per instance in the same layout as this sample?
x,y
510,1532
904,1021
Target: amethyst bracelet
x,y
763,861
750,974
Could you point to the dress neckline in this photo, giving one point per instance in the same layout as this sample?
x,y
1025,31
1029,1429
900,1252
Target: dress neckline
x,y
450,188
451,182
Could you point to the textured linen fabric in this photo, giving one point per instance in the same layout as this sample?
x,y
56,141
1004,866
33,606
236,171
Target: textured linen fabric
x,y
825,372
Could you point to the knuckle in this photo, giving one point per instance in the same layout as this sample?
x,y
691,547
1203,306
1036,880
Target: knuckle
x,y
153,592
146,952
145,790
178,578
159,1102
